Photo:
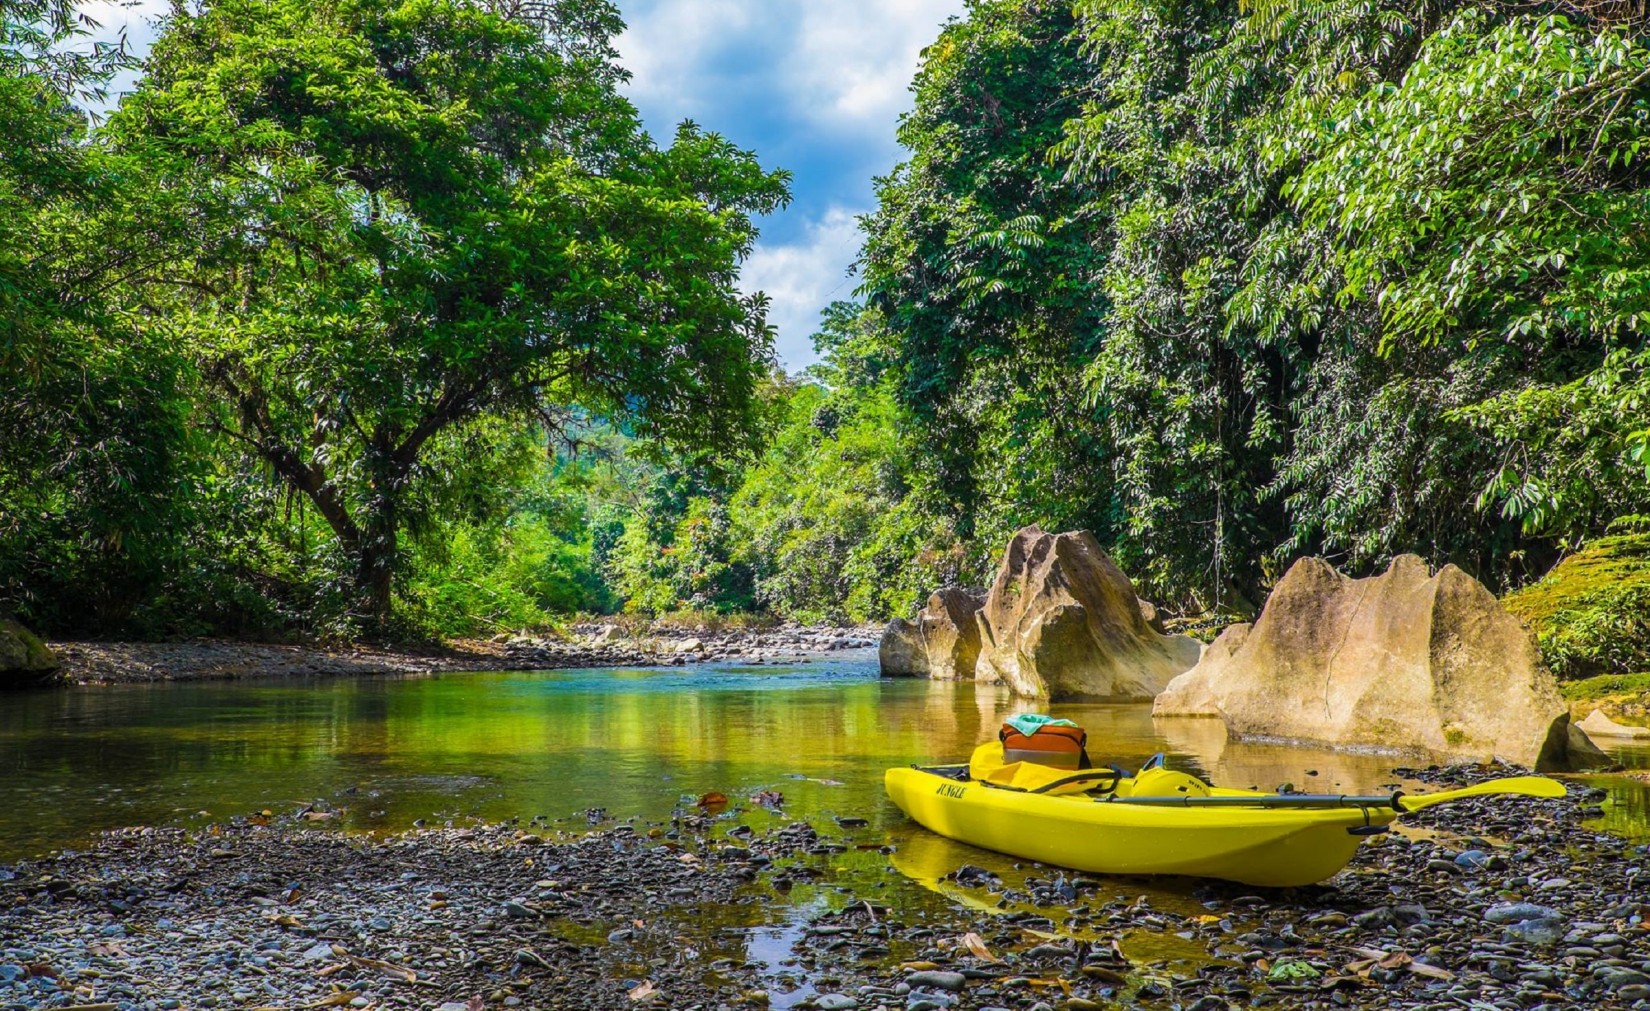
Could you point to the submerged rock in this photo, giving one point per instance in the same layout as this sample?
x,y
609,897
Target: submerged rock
x,y
1404,660
1063,620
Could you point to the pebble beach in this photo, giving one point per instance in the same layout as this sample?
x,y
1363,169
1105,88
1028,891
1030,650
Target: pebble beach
x,y
1479,904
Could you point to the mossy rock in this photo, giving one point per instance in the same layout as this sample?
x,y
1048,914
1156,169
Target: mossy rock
x,y
1606,686
24,658
1591,613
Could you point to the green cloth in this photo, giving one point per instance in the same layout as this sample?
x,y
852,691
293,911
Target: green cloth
x,y
1030,723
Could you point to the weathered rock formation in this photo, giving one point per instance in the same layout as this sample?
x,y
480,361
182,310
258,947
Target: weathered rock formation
x,y
1062,620
24,659
943,642
1404,660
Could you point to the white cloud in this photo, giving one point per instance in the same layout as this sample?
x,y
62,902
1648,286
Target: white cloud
x,y
855,59
843,66
669,47
802,278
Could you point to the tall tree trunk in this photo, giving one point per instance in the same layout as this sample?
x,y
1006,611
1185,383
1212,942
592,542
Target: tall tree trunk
x,y
379,555
375,576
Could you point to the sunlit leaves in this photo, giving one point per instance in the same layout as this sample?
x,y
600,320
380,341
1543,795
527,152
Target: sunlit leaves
x,y
410,217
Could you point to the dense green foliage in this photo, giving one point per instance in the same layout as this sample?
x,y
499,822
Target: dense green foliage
x,y
1350,279
406,309
1591,614
328,276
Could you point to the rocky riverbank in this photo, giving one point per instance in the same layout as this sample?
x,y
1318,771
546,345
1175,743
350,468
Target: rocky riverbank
x,y
1484,904
588,645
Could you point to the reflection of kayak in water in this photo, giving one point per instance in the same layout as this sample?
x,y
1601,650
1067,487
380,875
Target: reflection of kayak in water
x,y
930,860
1158,821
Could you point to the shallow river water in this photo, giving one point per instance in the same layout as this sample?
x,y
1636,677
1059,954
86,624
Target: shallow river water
x,y
636,743
587,747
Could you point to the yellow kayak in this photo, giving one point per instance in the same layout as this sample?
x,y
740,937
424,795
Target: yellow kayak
x,y
1162,822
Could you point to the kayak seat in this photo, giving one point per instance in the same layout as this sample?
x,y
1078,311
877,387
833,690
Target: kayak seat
x,y
989,765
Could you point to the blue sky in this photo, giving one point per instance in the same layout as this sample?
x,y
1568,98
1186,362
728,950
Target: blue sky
x,y
814,86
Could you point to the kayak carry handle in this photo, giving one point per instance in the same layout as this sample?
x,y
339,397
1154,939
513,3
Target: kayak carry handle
x,y
1114,774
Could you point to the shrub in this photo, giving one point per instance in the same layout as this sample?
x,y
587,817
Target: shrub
x,y
1591,613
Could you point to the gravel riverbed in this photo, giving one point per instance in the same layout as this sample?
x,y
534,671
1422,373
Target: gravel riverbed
x,y
1481,904
590,645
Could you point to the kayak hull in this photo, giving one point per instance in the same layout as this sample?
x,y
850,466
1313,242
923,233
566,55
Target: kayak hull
x,y
1255,846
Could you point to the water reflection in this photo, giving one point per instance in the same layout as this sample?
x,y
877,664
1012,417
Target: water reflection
x,y
635,742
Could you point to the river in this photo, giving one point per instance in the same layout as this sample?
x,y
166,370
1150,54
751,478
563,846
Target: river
x,y
391,752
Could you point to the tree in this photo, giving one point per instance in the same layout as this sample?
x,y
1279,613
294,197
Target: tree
x,y
982,267
91,417
408,215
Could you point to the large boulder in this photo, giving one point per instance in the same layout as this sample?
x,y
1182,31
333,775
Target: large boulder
x,y
902,654
24,659
1406,660
942,643
1061,620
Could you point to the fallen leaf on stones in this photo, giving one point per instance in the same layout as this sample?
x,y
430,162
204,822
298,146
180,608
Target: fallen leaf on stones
x,y
1373,957
713,803
1293,971
286,920
976,944
387,968
642,990
918,966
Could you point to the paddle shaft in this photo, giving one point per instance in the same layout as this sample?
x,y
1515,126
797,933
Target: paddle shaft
x,y
1311,800
1528,786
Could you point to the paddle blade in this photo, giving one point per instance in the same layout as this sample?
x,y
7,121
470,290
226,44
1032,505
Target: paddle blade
x,y
1527,786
